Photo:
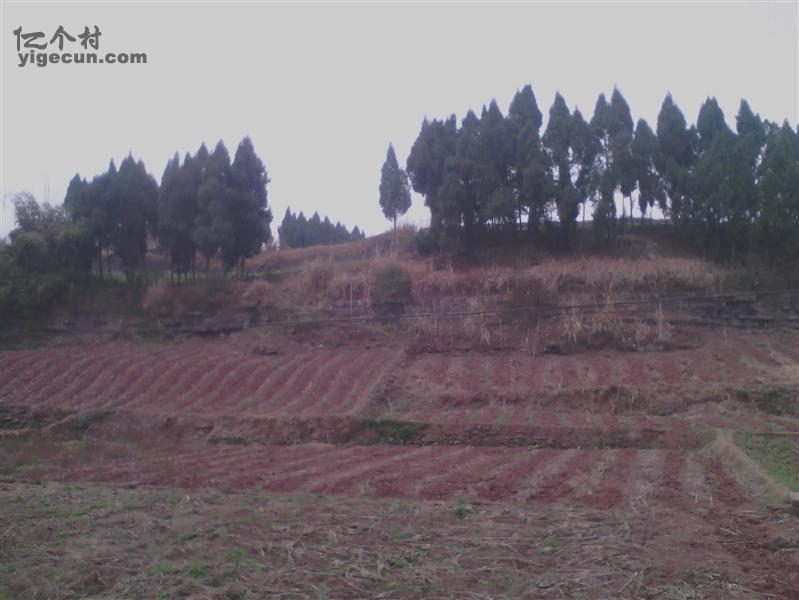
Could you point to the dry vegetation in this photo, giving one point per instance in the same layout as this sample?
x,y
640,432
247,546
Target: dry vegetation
x,y
92,541
330,461
339,281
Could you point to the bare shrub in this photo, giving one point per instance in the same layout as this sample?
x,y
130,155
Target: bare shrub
x,y
257,293
663,328
572,326
317,276
158,299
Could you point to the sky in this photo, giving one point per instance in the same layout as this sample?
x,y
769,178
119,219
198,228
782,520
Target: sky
x,y
322,88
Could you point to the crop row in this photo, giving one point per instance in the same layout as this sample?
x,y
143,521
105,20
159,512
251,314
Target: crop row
x,y
602,478
736,363
195,377
523,412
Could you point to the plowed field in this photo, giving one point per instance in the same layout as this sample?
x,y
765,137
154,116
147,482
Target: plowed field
x,y
202,468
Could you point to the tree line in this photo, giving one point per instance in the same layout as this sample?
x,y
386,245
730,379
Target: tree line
x,y
728,192
296,231
206,205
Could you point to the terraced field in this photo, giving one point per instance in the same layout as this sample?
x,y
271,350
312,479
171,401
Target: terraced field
x,y
594,477
616,439
194,377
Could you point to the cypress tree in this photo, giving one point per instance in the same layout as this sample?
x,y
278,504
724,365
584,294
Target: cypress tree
x,y
395,195
675,156
135,198
250,213
529,162
214,231
644,149
558,141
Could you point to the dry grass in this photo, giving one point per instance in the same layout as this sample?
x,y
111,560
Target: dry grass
x,y
158,299
336,280
598,275
609,328
293,258
60,541
596,278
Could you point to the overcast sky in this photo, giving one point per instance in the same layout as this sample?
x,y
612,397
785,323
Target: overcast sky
x,y
323,88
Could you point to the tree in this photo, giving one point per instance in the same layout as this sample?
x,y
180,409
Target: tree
x,y
48,254
675,156
604,176
135,198
529,162
287,231
395,195
778,196
436,143
584,152
177,213
644,148
558,142
250,213
92,202
709,124
706,203
214,231
297,232
621,137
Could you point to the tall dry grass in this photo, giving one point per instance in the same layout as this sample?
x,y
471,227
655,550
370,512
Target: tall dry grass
x,y
327,280
595,274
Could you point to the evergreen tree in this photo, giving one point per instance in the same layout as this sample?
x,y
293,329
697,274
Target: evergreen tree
x,y
584,153
604,177
778,196
250,213
94,203
135,202
558,142
287,231
436,143
297,232
177,212
675,157
747,154
395,195
529,162
77,204
709,124
644,148
495,154
621,138
214,231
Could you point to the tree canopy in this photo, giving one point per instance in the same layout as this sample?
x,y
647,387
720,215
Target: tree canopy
x,y
721,188
296,231
395,194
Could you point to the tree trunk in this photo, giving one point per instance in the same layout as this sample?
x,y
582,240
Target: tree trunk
x,y
100,261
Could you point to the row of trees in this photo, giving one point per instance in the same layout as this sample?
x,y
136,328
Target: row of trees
x,y
205,205
296,231
730,191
